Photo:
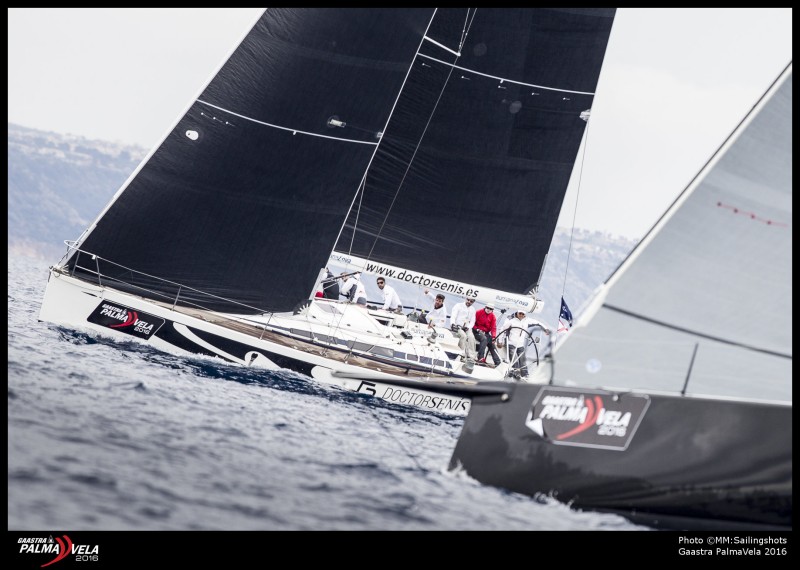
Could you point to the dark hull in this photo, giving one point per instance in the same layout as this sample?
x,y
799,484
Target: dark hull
x,y
688,463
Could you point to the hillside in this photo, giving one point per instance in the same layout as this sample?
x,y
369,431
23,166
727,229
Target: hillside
x,y
594,256
57,186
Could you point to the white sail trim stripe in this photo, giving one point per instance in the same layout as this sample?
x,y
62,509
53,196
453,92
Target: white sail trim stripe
x,y
505,79
294,131
444,47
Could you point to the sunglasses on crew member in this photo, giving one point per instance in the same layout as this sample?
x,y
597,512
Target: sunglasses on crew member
x,y
380,282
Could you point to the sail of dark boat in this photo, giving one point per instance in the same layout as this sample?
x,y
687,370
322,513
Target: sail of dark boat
x,y
470,176
246,196
672,405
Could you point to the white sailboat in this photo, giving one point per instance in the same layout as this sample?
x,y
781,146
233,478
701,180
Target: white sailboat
x,y
337,136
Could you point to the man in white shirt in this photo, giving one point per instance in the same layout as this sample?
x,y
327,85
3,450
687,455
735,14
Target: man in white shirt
x,y
436,317
462,319
391,300
516,331
354,289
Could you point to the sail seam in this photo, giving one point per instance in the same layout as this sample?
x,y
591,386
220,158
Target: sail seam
x,y
505,79
388,120
695,333
294,131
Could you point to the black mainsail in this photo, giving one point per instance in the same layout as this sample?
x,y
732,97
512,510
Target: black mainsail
x,y
451,133
245,196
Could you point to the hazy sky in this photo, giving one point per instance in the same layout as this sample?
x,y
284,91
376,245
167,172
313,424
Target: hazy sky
x,y
675,82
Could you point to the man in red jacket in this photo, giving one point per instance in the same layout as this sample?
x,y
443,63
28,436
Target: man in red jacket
x,y
485,331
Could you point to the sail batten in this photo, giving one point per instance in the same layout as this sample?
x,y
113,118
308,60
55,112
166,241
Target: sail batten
x,y
284,128
502,79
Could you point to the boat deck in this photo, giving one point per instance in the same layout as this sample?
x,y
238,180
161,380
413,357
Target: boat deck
x,y
371,363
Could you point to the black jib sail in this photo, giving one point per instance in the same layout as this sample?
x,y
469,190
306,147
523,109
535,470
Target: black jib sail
x,y
318,111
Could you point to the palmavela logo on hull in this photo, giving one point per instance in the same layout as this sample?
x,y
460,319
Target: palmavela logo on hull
x,y
587,418
126,320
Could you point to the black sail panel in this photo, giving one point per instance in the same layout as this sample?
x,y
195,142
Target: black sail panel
x,y
470,176
246,195
300,67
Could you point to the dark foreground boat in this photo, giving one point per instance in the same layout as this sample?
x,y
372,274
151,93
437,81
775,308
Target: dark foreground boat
x,y
681,462
670,401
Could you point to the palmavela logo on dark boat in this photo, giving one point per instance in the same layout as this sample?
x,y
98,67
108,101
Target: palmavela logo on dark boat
x,y
587,418
125,319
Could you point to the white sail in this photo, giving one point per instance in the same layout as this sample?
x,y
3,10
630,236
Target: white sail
x,y
705,300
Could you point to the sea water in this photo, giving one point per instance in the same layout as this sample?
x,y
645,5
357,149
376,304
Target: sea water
x,y
110,435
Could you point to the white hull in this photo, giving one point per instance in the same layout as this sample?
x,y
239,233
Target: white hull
x,y
319,342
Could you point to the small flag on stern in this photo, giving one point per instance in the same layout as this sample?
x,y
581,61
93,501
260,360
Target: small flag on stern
x,y
565,318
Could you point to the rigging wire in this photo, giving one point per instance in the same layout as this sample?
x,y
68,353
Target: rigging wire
x,y
467,25
358,212
362,186
388,120
396,440
464,32
575,211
